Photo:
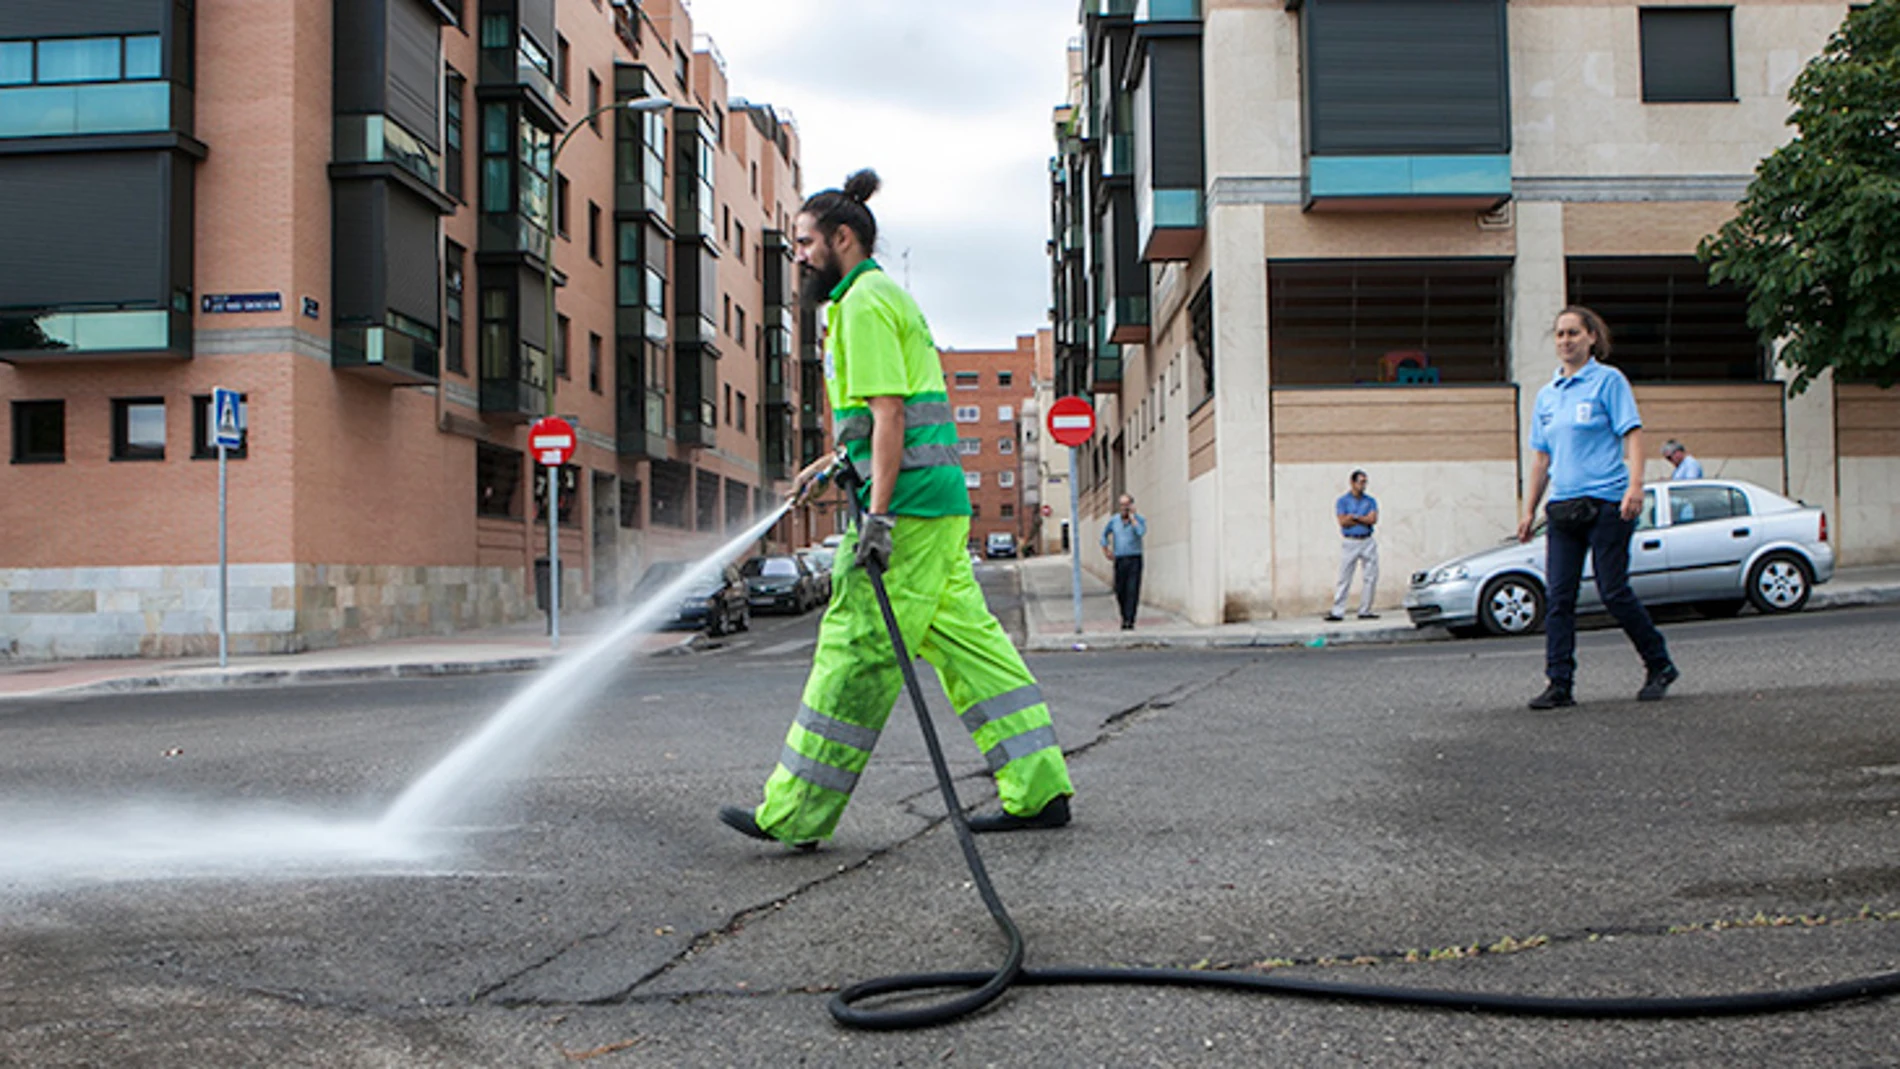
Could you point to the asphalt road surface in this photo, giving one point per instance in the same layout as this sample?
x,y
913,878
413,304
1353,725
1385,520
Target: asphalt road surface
x,y
195,880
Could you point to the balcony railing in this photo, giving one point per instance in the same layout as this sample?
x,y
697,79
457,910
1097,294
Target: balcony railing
x,y
70,110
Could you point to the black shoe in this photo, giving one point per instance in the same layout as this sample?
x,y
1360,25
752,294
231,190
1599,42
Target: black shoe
x,y
1053,815
1368,616
743,822
1128,625
1333,617
1658,683
1556,694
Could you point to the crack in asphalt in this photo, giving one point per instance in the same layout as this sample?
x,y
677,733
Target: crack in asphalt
x,y
1112,728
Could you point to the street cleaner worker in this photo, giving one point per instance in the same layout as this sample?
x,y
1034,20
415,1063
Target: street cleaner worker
x,y
886,387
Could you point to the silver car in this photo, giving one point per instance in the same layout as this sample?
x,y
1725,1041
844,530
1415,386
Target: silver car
x,y
1716,544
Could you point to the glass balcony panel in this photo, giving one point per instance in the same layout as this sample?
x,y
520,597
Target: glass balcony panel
x,y
63,111
87,331
1169,11
375,139
16,62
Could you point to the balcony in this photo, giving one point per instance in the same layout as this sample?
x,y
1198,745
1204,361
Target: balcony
x,y
1128,321
779,439
400,352
514,383
695,200
55,336
639,406
74,110
1406,111
1169,138
780,270
515,64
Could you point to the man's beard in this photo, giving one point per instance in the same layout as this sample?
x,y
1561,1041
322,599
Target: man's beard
x,y
815,287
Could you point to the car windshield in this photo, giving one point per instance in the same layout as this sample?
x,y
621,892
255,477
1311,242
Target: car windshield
x,y
771,568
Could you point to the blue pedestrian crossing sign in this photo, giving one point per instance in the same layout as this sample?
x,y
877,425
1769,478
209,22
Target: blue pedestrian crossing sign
x,y
227,419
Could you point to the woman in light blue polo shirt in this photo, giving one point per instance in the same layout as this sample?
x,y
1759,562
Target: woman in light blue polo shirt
x,y
1587,449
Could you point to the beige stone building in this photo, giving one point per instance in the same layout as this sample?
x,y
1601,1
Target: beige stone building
x,y
1298,237
338,208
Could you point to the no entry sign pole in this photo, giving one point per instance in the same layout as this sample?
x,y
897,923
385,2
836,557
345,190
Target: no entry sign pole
x,y
1071,423
552,440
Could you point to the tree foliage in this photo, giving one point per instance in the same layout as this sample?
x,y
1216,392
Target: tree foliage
x,y
1816,242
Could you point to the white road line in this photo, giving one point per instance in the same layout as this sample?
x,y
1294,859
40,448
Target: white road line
x,y
786,647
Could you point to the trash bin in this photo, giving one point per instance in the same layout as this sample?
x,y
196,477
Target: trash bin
x,y
541,583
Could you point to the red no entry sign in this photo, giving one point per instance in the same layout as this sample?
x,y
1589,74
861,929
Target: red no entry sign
x,y
551,439
1071,421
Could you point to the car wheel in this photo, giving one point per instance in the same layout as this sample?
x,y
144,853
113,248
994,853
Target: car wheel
x,y
1720,610
1779,582
1511,605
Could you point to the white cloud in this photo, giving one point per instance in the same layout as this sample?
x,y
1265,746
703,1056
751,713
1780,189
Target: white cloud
x,y
951,104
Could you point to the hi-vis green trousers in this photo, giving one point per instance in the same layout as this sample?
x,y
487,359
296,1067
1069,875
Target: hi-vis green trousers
x,y
855,680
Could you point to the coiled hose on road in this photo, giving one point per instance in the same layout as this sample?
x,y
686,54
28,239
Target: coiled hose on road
x,y
982,988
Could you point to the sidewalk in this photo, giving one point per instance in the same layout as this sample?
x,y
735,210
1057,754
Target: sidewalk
x,y
515,647
1048,614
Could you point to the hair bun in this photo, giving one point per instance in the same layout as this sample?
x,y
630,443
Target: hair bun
x,y
862,185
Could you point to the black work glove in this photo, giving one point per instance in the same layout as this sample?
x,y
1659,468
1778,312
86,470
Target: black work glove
x,y
874,542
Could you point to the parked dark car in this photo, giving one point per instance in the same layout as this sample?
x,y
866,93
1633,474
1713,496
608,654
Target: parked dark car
x,y
819,559
717,603
782,583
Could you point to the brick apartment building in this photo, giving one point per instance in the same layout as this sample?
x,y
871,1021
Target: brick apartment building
x,y
988,390
337,207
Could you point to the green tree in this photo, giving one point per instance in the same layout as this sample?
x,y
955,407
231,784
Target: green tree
x,y
1816,242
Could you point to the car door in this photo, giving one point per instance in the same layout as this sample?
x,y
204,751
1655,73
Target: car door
x,y
1709,537
1649,563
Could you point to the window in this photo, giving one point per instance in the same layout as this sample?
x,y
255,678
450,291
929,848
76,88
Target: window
x,y
738,247
1005,378
593,361
1006,479
973,479
570,476
1008,511
138,428
1341,322
203,438
593,231
560,204
742,410
561,331
1694,504
968,380
1006,413
498,336
976,511
593,101
968,413
1688,55
738,316
1667,323
969,447
81,59
1006,446
452,86
728,405
497,183
561,64
681,68
39,432
1201,323
726,303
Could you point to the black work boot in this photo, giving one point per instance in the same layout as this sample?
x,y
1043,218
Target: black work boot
x,y
743,822
1657,683
1555,695
1053,815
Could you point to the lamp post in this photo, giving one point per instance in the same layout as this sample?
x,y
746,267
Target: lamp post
x,y
641,104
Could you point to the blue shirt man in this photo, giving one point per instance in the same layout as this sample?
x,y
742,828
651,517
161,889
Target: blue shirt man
x,y
1687,467
1356,512
1579,421
1121,542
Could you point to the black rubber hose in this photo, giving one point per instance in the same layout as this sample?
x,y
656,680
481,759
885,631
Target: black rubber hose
x,y
985,987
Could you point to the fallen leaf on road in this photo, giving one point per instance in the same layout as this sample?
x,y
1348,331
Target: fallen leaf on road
x,y
584,1055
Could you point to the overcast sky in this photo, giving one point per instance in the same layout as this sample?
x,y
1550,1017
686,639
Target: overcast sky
x,y
951,104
